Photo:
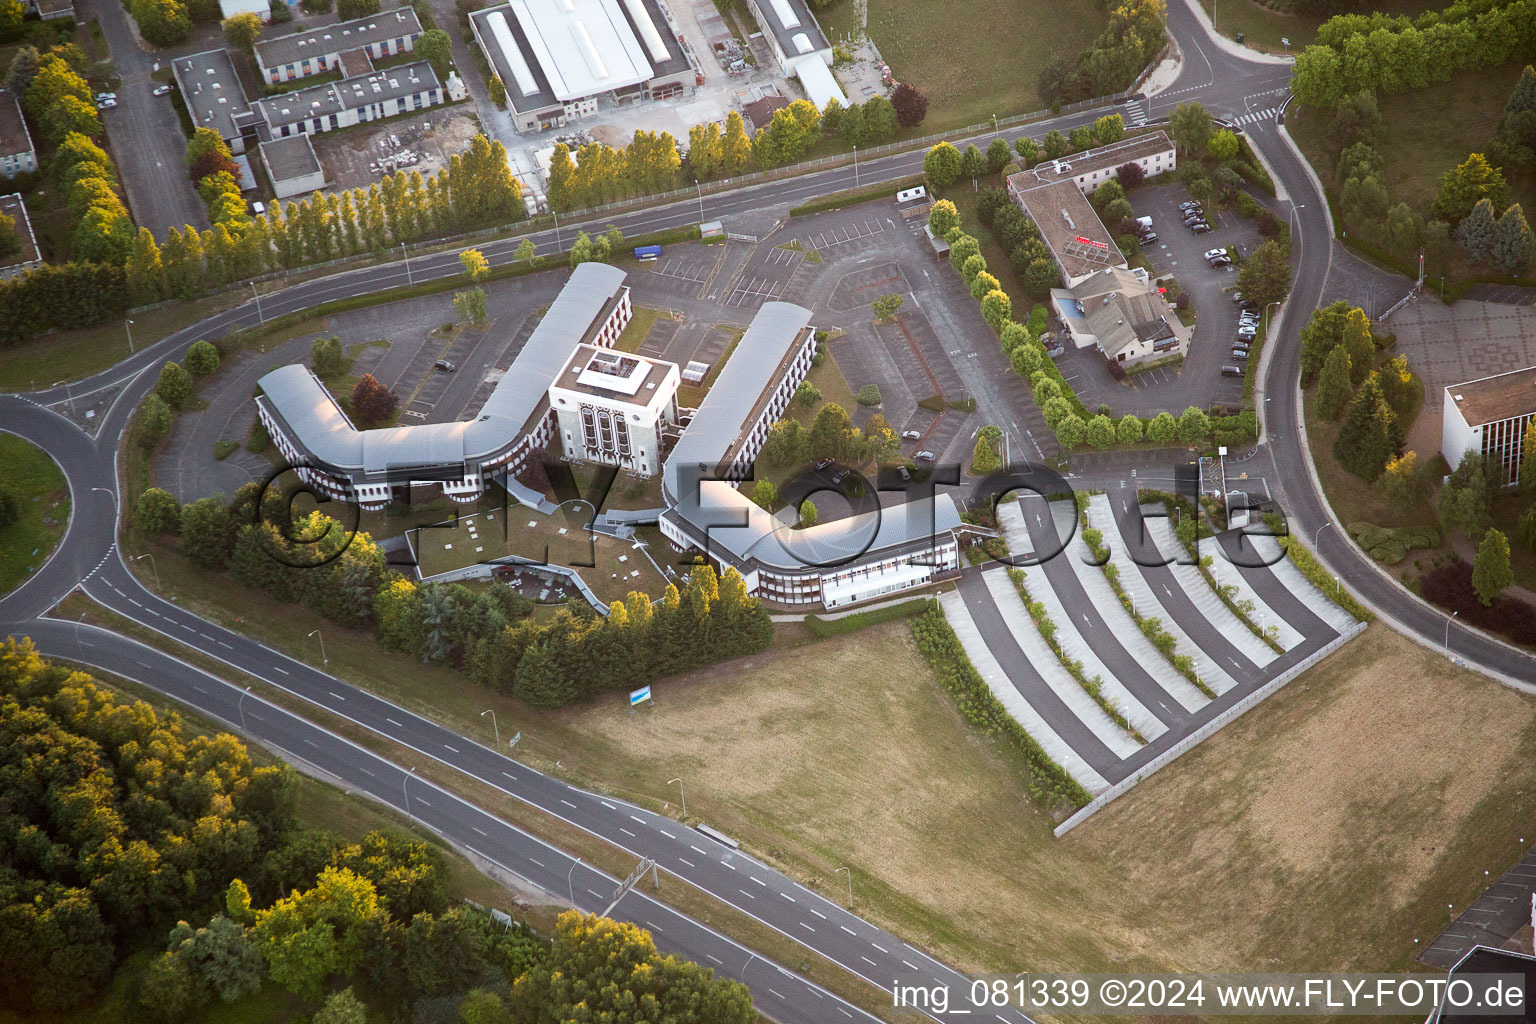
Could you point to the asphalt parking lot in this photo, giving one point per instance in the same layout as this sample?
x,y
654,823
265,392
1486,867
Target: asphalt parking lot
x,y
1178,253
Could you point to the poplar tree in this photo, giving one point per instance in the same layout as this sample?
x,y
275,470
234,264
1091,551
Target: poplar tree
x,y
735,147
1491,571
144,270
1334,389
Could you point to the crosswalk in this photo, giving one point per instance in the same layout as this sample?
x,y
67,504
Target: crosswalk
x,y
1135,114
1257,115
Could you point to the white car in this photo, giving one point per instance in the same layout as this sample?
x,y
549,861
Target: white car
x,y
106,104
910,435
1211,254
1247,332
102,97
163,90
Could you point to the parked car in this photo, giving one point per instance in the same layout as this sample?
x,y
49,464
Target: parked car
x,y
106,104
1200,228
822,464
1220,261
1247,333
1193,204
1231,371
163,90
840,475
1054,349
1211,254
904,473
1241,345
1149,238
1192,216
911,435
1248,318
1240,353
1238,298
925,456
102,97
444,365
1248,307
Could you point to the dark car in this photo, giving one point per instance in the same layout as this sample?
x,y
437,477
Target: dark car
x,y
840,476
822,464
1240,353
1200,228
444,365
1232,371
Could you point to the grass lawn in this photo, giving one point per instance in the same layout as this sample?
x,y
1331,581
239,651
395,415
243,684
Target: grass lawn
x,y
38,484
829,380
976,65
1416,149
1263,28
1507,510
634,335
70,355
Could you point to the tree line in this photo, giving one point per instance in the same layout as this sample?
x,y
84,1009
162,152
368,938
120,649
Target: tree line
x,y
1131,37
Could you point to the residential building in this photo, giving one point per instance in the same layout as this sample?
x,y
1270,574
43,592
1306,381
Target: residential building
x,y
834,564
322,108
559,59
1124,314
215,99
314,51
28,256
615,408
1489,416
1054,195
292,166
261,8
17,153
760,111
369,467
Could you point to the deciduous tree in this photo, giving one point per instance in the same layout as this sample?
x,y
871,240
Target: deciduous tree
x,y
911,105
1491,571
1462,186
372,402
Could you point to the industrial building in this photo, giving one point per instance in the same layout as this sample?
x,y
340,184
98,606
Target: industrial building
x,y
1489,416
800,47
18,155
559,59
211,89
292,166
323,108
318,50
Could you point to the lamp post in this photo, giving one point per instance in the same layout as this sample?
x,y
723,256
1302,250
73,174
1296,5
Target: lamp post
x,y
681,794
151,558
855,166
316,634
240,707
1266,315
257,296
994,126
495,729
556,214
407,794
850,884
700,186
128,326
407,257
1319,533
570,880
1448,633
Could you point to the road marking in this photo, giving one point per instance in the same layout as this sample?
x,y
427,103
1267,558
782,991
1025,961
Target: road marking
x,y
282,670
311,743
760,882
664,832
653,926
338,696
478,830
817,913
537,861
608,805
714,958
199,689
224,645
775,993
421,801
594,892
510,776
726,863
880,947
132,601
695,849
688,862
869,961
910,967
788,897
568,804
845,928
807,927
636,817
746,894
394,723
454,749
628,832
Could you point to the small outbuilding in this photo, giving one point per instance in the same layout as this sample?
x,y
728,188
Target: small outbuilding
x,y
292,166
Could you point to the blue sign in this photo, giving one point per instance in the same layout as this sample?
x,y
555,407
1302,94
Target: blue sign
x,y
639,696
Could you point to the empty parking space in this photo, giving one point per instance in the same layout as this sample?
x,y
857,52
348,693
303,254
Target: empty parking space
x,y
853,232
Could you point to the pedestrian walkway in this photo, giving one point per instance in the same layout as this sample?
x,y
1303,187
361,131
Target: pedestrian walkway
x,y
1268,114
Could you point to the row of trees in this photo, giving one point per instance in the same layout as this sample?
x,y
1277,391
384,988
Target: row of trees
x,y
168,22
58,98
943,165
212,168
1129,41
1388,56
475,189
116,822
103,230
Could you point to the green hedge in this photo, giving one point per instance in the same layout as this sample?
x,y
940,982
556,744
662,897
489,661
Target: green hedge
x,y
1322,579
1049,784
854,196
824,628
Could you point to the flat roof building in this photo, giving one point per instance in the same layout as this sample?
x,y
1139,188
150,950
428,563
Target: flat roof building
x,y
559,58
1489,416
322,108
800,47
1153,152
27,256
292,166
615,408
211,89
316,50
17,153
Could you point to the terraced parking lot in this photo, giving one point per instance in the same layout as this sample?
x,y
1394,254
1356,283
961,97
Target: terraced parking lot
x,y
1272,624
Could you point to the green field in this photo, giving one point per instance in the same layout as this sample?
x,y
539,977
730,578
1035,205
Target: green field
x,y
38,485
973,62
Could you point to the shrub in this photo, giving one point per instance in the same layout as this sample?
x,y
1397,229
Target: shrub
x,y
157,512
174,386
869,394
1450,587
201,359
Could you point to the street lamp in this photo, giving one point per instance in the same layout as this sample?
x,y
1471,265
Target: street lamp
x,y
850,884
151,558
855,166
570,880
700,185
495,729
128,326
994,126
681,794
1448,633
240,707
257,296
407,794
1266,315
316,634
1319,533
407,257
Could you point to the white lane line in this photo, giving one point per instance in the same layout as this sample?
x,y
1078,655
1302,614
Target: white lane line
x,y
454,749
338,696
252,714
282,670
199,689
537,861
869,961
807,927
760,882
510,776
421,801
880,947
787,896
845,1013
910,967
311,743
132,601
714,958
746,894
224,645
688,862
568,803
594,892
664,832
394,723
627,832
653,926
775,993
724,863
695,849
608,805
817,913
478,830
845,928
636,817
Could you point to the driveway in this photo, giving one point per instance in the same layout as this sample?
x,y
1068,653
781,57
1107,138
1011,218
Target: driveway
x,y
144,132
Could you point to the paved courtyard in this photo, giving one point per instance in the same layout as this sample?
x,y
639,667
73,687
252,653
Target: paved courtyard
x,y
1456,343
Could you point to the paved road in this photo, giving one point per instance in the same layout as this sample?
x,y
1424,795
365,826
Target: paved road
x,y
1230,86
144,132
